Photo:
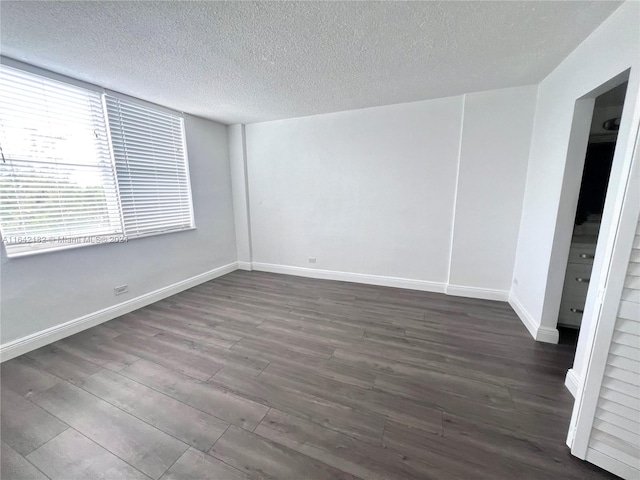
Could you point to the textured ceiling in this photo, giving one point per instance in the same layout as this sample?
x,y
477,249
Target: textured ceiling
x,y
242,62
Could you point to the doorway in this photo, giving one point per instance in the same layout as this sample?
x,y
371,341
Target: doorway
x,y
605,122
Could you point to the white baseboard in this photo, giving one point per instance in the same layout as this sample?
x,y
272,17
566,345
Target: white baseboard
x,y
25,344
245,266
541,334
571,381
396,282
477,292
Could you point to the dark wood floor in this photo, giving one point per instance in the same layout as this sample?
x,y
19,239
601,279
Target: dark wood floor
x,y
262,376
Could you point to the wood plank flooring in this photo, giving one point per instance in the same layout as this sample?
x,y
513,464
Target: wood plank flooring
x,y
264,376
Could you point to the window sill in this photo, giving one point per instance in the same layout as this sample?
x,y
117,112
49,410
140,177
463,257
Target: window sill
x,y
29,249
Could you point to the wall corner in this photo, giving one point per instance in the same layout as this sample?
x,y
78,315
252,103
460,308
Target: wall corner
x,y
240,191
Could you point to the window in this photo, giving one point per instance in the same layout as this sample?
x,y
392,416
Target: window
x,y
79,167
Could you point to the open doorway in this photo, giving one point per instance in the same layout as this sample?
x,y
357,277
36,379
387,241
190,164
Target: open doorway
x,y
603,135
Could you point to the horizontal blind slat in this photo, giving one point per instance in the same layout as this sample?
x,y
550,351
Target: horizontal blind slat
x,y
625,339
628,401
614,446
623,375
617,420
622,387
621,433
625,351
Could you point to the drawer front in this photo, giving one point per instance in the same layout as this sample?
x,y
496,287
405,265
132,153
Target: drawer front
x,y
582,253
576,280
574,290
570,314
574,294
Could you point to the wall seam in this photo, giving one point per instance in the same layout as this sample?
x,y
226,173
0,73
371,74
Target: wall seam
x,y
245,170
455,194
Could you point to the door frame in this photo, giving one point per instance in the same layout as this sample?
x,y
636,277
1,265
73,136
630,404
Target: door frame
x,y
570,191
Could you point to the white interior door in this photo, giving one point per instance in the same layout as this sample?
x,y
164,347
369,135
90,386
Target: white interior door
x,y
605,426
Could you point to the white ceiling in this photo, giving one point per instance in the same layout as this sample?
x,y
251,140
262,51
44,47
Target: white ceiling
x,y
243,62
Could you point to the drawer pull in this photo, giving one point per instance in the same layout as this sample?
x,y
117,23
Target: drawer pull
x,y
577,310
586,255
582,280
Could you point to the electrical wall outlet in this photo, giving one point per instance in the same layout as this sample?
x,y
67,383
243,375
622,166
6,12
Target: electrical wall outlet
x,y
121,289
515,282
312,259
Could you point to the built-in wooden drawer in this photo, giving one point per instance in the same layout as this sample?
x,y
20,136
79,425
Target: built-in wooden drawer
x,y
582,253
574,293
576,281
570,315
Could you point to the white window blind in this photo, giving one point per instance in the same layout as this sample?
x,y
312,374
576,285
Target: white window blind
x,y
151,167
79,167
57,183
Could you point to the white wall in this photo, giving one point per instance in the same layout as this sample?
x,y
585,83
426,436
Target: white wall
x,y
367,191
543,249
44,290
372,193
493,165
